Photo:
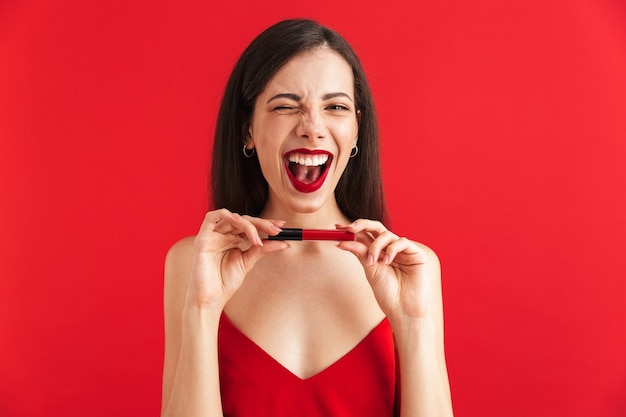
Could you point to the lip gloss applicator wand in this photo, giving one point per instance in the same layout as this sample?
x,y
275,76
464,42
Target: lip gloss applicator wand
x,y
312,234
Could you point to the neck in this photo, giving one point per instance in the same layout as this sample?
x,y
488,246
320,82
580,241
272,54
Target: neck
x,y
323,218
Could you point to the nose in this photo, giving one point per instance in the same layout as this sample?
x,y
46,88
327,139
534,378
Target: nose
x,y
311,125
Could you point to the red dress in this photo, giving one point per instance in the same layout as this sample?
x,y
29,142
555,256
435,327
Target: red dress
x,y
360,384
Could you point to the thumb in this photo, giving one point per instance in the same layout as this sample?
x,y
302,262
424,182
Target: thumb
x,y
254,253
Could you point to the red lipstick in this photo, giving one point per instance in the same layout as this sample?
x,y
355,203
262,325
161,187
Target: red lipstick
x,y
305,187
312,234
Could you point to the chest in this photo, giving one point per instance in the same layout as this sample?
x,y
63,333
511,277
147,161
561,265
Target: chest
x,y
361,383
305,312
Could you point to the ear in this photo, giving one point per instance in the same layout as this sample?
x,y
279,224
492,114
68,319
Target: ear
x,y
246,133
249,141
358,124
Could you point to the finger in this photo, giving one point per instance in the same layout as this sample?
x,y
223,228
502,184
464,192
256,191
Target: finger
x,y
364,237
358,249
269,226
401,245
211,221
258,229
358,229
227,223
372,226
252,255
252,229
380,239
244,227
279,223
377,250
214,217
374,235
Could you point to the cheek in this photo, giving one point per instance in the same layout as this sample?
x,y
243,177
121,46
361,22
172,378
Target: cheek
x,y
270,160
268,132
347,134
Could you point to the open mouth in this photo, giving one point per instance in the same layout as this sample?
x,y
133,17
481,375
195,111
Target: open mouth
x,y
307,169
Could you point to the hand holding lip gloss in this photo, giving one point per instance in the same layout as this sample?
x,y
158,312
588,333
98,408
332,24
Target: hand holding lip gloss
x,y
312,234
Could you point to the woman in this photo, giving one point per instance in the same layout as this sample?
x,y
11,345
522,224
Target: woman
x,y
261,327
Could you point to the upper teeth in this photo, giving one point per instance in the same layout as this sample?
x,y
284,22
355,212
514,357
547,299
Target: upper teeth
x,y
308,160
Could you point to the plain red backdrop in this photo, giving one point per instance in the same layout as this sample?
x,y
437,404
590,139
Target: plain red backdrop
x,y
504,141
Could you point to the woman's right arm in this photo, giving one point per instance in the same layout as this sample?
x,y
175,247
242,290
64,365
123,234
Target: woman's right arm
x,y
190,373
201,274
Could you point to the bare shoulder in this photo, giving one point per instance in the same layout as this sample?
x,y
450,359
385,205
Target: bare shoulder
x,y
431,256
177,269
180,252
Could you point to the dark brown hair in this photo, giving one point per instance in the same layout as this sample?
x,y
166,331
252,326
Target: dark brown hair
x,y
237,182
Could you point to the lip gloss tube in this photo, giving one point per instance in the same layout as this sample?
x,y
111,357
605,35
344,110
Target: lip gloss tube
x,y
312,234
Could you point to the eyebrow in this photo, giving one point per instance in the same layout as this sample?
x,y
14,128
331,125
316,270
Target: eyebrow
x,y
296,97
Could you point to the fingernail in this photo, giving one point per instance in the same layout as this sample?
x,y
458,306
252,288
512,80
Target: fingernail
x,y
370,259
275,228
258,241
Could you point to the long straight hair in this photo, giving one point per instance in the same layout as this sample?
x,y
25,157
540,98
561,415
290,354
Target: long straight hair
x,y
237,182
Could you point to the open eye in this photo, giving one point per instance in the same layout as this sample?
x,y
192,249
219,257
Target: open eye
x,y
338,107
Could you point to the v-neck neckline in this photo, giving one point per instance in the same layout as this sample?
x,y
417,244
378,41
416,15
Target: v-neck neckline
x,y
381,325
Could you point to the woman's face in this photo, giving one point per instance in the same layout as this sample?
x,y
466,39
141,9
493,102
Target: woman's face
x,y
303,128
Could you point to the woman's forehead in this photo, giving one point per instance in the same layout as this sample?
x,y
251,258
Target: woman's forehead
x,y
321,71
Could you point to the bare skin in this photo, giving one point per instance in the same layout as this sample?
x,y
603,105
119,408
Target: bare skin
x,y
327,296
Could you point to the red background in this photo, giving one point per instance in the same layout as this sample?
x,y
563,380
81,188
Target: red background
x,y
504,141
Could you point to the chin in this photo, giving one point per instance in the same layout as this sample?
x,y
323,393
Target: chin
x,y
310,204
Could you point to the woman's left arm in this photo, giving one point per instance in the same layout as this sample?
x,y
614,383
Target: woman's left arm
x,y
406,279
